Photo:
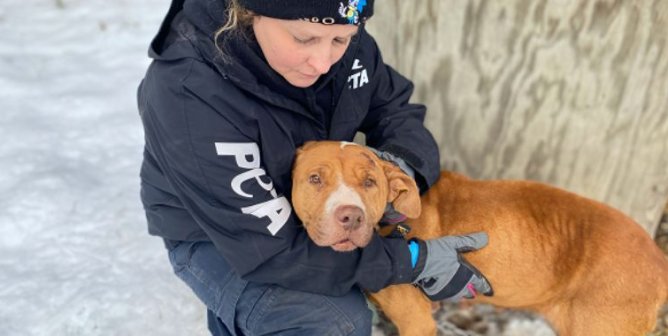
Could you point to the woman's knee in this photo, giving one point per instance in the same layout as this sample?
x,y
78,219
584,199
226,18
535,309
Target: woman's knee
x,y
209,276
280,311
266,309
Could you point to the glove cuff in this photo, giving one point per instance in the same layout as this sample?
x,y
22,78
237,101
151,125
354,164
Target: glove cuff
x,y
421,259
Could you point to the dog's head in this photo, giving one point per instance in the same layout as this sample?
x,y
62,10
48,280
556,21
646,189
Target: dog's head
x,y
341,189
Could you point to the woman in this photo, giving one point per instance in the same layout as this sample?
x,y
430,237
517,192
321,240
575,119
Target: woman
x,y
234,88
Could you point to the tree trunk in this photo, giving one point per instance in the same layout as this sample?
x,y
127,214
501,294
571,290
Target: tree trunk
x,y
572,93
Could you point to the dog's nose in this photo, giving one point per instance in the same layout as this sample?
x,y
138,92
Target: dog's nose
x,y
349,216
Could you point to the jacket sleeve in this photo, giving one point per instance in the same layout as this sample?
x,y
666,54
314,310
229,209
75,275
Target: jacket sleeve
x,y
214,167
395,125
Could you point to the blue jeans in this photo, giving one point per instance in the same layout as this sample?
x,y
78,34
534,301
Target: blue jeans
x,y
238,307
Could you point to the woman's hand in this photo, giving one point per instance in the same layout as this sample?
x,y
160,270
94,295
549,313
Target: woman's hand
x,y
441,271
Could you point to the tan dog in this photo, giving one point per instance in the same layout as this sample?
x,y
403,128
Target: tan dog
x,y
587,268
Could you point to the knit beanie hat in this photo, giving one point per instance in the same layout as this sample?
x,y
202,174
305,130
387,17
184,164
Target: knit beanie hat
x,y
317,11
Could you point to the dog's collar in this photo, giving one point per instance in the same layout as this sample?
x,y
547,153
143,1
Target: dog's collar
x,y
392,217
400,230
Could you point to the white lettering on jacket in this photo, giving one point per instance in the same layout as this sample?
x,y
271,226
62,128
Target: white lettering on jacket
x,y
359,78
247,156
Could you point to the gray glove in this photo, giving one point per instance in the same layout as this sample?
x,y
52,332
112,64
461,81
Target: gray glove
x,y
442,273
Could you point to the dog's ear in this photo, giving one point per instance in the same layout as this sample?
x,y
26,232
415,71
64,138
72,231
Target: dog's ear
x,y
403,192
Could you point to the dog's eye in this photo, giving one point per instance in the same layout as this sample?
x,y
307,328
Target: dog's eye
x,y
369,182
314,179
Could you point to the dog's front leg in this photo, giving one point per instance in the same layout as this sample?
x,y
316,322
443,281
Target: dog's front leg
x,y
408,308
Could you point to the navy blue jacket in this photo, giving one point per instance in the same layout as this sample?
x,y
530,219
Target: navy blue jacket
x,y
221,138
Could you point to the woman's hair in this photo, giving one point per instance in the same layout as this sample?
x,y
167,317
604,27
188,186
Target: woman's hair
x,y
239,22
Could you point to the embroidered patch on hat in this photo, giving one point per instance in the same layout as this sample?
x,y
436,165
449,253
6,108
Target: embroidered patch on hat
x,y
352,11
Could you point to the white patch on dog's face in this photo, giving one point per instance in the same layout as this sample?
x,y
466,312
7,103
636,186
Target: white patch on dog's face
x,y
333,233
347,143
343,195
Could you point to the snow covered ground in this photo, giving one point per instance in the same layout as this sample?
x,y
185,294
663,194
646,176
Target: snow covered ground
x,y
75,258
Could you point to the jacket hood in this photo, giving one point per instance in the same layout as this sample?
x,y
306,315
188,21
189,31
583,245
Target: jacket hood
x,y
207,15
198,21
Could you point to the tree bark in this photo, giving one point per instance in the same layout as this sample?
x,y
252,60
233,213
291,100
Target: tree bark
x,y
572,93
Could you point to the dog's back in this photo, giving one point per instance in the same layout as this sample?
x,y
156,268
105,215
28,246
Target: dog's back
x,y
587,267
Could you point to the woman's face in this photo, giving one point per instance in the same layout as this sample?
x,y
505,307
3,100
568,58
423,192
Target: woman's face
x,y
301,51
